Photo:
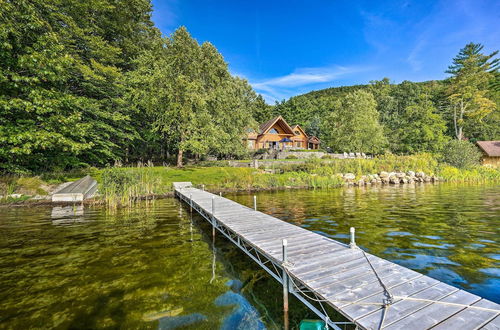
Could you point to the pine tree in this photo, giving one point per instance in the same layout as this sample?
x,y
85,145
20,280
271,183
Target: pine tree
x,y
471,72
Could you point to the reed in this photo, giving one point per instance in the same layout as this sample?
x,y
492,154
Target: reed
x,y
124,186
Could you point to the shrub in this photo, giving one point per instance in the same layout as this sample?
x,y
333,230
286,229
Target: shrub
x,y
30,186
461,154
326,157
291,157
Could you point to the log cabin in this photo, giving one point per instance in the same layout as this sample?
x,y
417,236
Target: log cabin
x,y
277,134
491,152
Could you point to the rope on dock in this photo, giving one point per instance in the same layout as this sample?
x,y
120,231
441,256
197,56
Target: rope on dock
x,y
448,303
389,299
387,302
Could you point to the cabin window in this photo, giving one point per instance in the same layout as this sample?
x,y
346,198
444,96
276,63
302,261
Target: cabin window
x,y
273,131
251,143
297,133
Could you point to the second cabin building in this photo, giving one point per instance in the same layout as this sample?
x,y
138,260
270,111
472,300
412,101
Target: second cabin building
x,y
278,135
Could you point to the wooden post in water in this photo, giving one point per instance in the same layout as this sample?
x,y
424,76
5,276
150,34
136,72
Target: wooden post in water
x,y
220,193
203,187
255,203
285,286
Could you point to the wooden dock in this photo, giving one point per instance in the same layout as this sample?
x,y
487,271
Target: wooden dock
x,y
324,274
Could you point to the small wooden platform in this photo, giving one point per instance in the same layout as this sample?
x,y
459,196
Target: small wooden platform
x,y
76,191
323,272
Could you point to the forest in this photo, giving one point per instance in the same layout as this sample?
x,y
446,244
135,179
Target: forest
x,y
409,117
95,83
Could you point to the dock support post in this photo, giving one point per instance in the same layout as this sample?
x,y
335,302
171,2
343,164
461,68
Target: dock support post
x,y
352,244
203,187
285,286
213,217
254,203
220,193
191,203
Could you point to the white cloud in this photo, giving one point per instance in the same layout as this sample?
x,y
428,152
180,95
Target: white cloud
x,y
282,87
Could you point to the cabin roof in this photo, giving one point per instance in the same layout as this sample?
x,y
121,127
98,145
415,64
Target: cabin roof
x,y
490,148
268,124
300,128
313,139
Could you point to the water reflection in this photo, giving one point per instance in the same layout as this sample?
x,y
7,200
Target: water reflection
x,y
447,231
148,267
62,215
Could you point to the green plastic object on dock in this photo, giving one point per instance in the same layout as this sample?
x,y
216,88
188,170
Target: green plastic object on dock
x,y
312,325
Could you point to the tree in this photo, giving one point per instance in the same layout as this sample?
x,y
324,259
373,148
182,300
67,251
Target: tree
x,y
262,111
61,81
467,94
461,154
193,101
422,128
353,125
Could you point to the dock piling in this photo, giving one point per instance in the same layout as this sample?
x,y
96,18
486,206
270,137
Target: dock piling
x,y
191,202
352,244
285,286
213,217
255,203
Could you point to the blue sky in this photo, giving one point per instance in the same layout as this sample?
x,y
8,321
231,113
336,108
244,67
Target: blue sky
x,y
286,48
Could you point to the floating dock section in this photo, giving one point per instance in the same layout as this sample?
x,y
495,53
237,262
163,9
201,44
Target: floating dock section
x,y
326,275
76,191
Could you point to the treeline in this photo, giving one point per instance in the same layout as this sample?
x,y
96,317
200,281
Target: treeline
x,y
93,82
408,117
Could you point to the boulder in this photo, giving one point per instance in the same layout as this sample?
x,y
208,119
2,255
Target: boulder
x,y
393,180
384,174
400,175
349,176
420,175
410,173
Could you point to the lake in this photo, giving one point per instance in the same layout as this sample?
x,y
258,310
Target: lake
x,y
155,266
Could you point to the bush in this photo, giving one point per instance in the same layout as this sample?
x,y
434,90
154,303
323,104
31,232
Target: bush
x,y
326,157
461,154
291,157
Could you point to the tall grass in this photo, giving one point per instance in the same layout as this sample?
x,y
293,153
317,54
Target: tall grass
x,y
124,186
420,162
477,174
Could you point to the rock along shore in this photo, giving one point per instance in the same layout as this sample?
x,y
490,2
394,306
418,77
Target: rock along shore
x,y
388,178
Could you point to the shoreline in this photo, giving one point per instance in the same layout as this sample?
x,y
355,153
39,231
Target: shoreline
x,y
102,202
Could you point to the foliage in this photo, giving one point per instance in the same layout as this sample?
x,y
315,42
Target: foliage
x,y
353,125
186,90
479,174
61,82
467,93
72,73
291,157
122,187
461,154
417,117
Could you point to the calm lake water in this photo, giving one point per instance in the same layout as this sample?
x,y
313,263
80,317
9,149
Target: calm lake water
x,y
156,266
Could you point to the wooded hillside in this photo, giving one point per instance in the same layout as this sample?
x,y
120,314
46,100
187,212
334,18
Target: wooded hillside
x,y
414,117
